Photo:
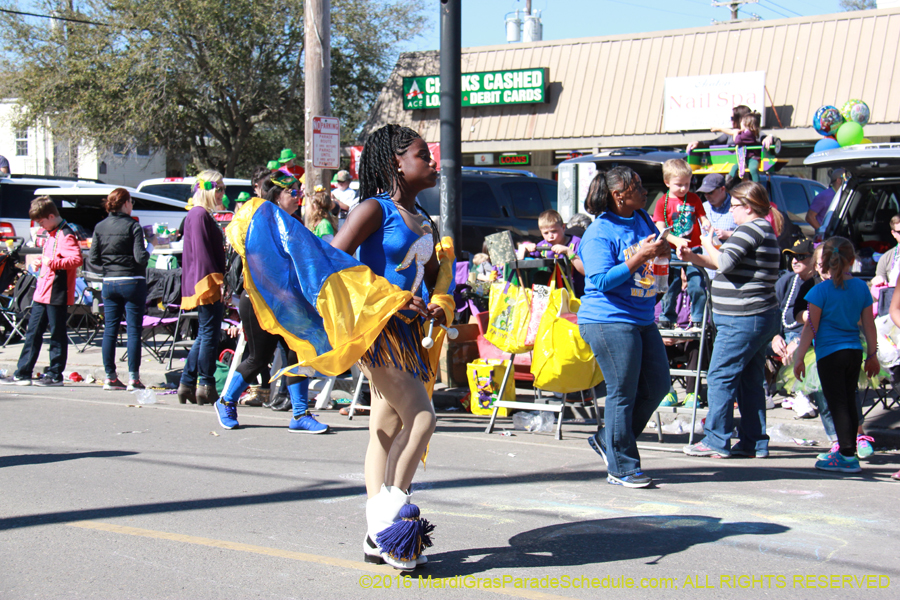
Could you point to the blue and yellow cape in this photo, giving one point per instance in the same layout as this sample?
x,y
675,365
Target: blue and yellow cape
x,y
328,307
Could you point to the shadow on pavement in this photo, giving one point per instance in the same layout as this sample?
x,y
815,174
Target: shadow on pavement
x,y
40,459
596,541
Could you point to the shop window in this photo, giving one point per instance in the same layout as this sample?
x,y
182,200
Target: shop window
x,y
478,200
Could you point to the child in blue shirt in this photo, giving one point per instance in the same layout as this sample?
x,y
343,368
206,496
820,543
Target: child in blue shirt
x,y
836,306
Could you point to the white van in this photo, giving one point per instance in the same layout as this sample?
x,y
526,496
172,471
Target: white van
x,y
16,194
83,205
181,188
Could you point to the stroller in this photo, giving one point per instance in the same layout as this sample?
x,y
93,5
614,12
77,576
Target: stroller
x,y
14,308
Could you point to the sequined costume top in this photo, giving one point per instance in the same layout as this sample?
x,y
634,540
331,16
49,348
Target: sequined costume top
x,y
399,254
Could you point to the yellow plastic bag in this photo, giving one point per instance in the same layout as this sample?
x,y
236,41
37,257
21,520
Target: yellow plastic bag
x,y
485,378
510,311
562,361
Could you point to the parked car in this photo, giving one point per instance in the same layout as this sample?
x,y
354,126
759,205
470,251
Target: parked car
x,y
862,209
792,195
84,205
495,200
181,188
16,194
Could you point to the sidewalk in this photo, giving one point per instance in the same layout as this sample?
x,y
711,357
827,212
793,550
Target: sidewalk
x,y
883,425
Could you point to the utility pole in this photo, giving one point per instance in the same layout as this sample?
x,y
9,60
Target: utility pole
x,y
451,120
734,5
317,66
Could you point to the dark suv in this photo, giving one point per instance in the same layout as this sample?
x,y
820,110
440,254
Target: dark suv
x,y
497,200
861,211
792,195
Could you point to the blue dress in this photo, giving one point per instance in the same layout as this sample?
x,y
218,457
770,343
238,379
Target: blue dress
x,y
399,254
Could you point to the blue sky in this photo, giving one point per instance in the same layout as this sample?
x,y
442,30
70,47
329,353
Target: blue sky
x,y
483,21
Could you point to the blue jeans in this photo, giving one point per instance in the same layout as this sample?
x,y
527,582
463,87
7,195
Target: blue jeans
x,y
125,299
201,360
736,373
41,316
634,364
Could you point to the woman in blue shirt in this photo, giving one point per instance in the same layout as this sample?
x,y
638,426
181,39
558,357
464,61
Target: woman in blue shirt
x,y
616,317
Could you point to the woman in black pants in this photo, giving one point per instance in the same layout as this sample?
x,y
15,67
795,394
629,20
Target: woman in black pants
x,y
282,190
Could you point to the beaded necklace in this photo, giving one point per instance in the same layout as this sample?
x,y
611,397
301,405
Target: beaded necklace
x,y
789,303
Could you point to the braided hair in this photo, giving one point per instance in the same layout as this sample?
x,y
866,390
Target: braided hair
x,y
377,169
604,183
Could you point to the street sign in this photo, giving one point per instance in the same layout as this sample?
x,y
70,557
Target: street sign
x,y
488,88
326,151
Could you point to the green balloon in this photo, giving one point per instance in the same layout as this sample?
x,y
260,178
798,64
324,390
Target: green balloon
x,y
850,133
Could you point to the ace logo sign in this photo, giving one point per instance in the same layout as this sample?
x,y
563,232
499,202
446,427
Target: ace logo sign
x,y
490,88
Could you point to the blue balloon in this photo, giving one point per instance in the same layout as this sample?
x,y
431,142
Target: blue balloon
x,y
827,143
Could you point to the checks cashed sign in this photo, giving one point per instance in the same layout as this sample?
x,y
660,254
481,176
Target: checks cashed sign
x,y
489,88
706,101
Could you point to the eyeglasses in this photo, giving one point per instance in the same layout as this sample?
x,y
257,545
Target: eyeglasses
x,y
736,205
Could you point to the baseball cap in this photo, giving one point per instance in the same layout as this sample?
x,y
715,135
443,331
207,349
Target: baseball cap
x,y
711,182
343,176
803,246
835,173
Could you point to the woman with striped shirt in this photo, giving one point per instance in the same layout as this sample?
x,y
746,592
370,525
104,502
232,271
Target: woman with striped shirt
x,y
745,312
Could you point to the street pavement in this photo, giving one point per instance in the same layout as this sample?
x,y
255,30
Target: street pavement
x,y
104,498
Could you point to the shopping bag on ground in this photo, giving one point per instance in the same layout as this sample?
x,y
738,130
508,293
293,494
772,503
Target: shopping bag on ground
x,y
510,312
562,361
485,378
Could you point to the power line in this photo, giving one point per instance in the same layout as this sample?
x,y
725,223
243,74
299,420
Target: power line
x,y
783,8
653,8
54,17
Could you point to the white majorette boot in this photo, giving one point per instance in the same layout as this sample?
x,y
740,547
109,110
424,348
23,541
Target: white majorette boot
x,y
395,534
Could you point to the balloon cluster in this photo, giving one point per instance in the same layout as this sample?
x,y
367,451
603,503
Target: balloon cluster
x,y
842,127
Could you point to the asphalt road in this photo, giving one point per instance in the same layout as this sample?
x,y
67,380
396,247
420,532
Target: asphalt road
x,y
99,499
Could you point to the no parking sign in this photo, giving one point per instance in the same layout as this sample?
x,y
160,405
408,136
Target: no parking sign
x,y
326,142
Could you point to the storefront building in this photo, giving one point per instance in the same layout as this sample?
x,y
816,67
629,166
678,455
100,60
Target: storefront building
x,y
531,106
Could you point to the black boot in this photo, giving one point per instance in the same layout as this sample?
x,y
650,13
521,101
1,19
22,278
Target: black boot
x,y
282,402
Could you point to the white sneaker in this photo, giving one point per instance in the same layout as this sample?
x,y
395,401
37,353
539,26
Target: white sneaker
x,y
770,403
803,407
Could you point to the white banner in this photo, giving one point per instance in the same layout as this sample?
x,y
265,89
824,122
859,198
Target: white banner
x,y
706,101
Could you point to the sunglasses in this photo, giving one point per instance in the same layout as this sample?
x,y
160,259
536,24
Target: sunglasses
x,y
294,193
800,257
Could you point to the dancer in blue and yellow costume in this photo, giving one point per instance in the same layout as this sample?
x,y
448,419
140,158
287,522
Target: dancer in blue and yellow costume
x,y
334,311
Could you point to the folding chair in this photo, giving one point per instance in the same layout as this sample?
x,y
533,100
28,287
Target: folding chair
x,y
183,321
151,325
85,320
17,309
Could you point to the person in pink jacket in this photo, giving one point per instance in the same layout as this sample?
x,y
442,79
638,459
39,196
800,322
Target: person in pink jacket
x,y
54,293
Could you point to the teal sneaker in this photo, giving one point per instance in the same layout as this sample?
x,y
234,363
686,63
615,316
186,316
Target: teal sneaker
x,y
835,447
670,400
864,447
839,463
690,400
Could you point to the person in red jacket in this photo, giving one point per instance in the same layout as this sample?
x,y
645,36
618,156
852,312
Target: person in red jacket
x,y
54,293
